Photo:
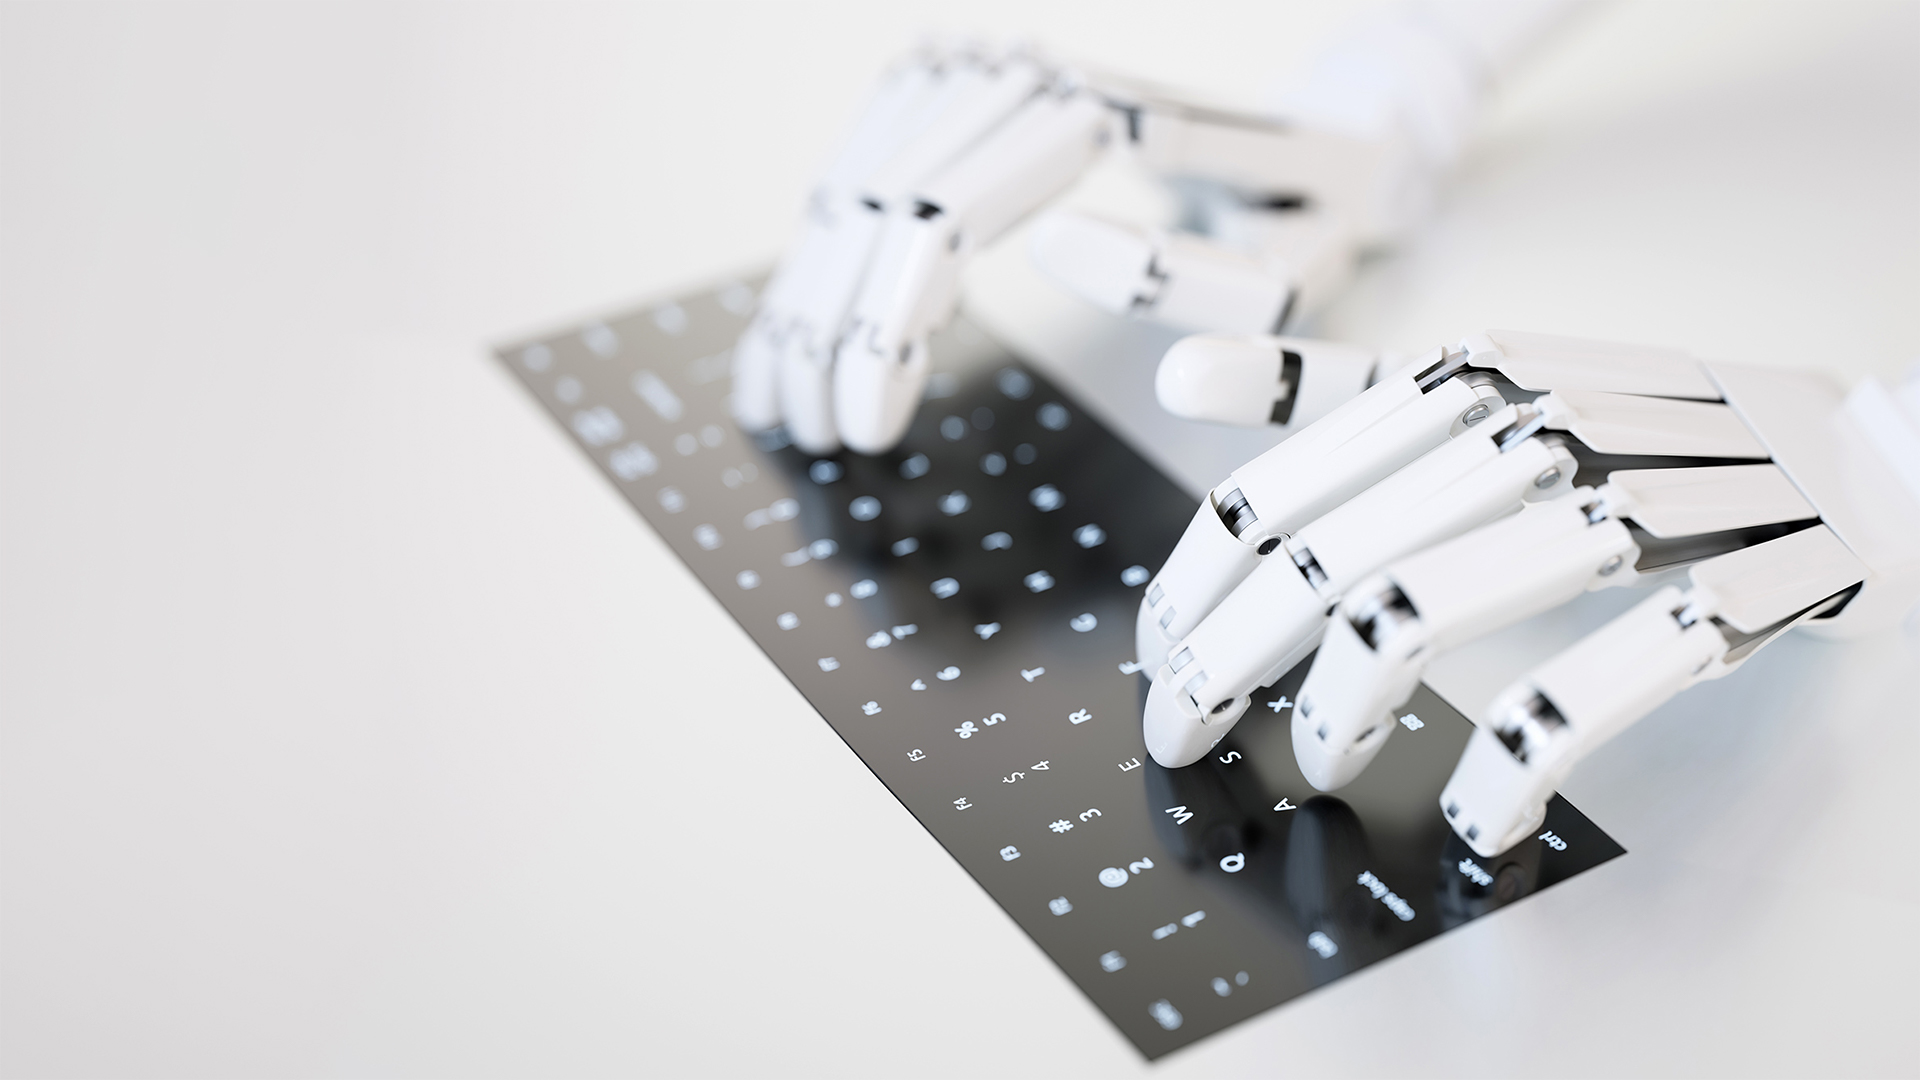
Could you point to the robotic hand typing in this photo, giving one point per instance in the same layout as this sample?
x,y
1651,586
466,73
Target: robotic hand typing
x,y
955,148
1415,506
1489,482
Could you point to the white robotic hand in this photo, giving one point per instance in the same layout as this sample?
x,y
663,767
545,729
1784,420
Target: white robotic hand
x,y
957,147
1489,482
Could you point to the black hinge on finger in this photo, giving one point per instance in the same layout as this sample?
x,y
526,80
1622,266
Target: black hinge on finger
x,y
1310,568
1234,513
1449,365
1289,378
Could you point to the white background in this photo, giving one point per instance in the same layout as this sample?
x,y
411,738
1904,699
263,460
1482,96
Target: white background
x,y
351,724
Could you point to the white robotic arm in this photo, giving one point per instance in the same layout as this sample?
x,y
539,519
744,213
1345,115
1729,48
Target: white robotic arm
x,y
1787,505
955,148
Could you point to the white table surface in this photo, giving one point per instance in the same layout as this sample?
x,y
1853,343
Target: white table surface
x,y
351,724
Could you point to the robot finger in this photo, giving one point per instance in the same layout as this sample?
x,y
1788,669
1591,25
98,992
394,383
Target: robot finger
x,y
1174,278
1273,496
1377,646
1273,618
910,288
922,114
1538,728
1257,381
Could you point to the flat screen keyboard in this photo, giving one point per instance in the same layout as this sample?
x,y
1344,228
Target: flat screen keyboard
x,y
961,612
